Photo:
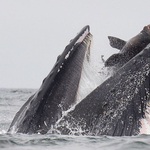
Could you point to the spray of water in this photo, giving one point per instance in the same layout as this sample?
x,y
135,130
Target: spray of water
x,y
93,74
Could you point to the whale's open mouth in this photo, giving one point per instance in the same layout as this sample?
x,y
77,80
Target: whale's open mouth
x,y
119,106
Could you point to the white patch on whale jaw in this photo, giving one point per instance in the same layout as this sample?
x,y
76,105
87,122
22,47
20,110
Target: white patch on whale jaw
x,y
82,37
145,122
86,38
67,56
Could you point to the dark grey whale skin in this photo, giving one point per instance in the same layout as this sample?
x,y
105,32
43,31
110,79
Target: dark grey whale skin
x,y
57,92
115,107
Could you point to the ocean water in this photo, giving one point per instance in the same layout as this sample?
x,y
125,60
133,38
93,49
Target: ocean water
x,y
10,102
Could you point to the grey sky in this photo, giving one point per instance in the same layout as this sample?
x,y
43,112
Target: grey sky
x,y
34,32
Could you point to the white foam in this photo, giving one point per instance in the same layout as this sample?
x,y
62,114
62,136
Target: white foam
x,y
93,74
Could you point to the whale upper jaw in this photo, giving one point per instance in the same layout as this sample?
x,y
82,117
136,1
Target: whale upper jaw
x,y
58,90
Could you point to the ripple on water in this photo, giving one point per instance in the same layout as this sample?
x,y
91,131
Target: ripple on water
x,y
49,141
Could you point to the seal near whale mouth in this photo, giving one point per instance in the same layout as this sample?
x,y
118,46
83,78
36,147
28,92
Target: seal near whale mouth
x,y
128,49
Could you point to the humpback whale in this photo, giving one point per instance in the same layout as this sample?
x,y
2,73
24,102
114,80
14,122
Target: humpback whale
x,y
58,90
117,107
128,49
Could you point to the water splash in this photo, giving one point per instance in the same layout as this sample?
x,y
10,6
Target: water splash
x,y
93,74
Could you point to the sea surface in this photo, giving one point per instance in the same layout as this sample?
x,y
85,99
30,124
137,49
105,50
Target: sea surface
x,y
10,102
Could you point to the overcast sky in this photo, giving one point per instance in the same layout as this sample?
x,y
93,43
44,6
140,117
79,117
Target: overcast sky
x,y
34,32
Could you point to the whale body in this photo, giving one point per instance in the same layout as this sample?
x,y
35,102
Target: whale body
x,y
118,106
